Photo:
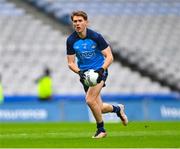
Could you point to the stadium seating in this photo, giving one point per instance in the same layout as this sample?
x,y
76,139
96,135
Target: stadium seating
x,y
149,22
28,45
148,30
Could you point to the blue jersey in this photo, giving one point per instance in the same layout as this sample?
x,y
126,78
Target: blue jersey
x,y
87,50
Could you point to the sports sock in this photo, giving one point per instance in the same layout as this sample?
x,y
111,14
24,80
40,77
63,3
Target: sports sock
x,y
116,109
100,126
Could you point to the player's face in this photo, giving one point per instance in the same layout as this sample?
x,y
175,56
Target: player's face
x,y
79,24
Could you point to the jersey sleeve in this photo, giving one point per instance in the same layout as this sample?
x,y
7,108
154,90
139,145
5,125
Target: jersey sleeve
x,y
102,43
69,47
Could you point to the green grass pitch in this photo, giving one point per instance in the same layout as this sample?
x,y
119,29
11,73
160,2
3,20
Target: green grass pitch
x,y
78,135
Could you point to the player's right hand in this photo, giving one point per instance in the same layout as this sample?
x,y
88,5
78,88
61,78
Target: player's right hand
x,y
81,75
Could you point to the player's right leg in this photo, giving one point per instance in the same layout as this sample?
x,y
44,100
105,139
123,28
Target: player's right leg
x,y
91,95
99,134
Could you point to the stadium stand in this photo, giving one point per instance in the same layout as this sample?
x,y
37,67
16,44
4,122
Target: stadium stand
x,y
147,32
25,52
28,45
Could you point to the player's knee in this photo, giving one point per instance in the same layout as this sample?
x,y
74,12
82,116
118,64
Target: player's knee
x,y
89,102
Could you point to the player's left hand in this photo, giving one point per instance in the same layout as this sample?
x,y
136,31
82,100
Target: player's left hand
x,y
100,72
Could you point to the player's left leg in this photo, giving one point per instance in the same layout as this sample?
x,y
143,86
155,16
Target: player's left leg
x,y
119,109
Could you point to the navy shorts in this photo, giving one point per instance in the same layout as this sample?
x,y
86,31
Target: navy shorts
x,y
105,75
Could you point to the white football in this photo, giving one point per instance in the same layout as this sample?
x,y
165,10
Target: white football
x,y
90,77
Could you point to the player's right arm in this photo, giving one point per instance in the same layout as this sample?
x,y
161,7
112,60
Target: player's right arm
x,y
71,55
72,63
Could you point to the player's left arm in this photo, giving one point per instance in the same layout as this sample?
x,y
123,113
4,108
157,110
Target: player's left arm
x,y
107,52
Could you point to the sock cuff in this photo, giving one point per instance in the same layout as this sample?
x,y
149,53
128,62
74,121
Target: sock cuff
x,y
116,109
100,125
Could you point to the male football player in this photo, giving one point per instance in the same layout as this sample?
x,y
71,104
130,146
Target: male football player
x,y
92,52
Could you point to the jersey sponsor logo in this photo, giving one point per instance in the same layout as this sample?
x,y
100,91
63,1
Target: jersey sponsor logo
x,y
87,54
85,48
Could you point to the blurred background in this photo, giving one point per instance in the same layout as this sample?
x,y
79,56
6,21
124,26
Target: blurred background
x,y
145,76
